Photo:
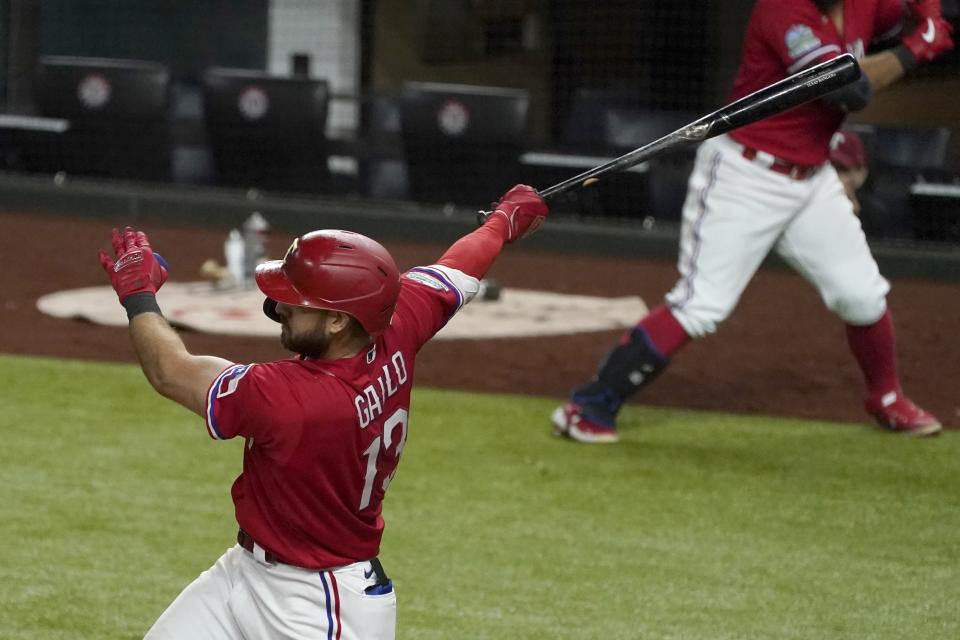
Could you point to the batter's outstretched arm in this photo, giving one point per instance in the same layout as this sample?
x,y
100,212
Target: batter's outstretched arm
x,y
519,213
174,372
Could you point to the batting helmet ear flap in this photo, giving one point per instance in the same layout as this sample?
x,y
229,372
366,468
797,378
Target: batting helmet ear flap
x,y
270,309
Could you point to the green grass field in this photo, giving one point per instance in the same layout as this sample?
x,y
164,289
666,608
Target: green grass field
x,y
696,526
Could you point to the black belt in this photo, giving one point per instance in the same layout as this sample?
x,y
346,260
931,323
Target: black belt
x,y
246,541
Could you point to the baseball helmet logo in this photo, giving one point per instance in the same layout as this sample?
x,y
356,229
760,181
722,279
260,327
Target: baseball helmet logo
x,y
94,91
453,118
253,103
292,249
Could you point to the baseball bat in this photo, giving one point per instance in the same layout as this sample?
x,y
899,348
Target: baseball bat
x,y
793,91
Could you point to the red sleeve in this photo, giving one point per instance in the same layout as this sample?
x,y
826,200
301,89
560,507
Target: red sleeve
x,y
429,297
254,401
797,32
474,253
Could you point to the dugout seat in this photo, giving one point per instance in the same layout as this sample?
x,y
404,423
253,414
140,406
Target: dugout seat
x,y
915,148
265,131
898,157
118,112
462,143
581,144
382,168
585,126
665,187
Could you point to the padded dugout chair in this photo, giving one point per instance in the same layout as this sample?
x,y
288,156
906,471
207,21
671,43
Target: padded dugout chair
x,y
666,177
119,112
383,171
462,143
267,132
917,149
898,157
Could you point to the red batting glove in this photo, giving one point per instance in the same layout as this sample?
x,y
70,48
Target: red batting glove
x,y
136,268
925,8
930,40
523,209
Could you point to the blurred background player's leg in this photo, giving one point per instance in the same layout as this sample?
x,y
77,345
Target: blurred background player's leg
x,y
826,244
733,214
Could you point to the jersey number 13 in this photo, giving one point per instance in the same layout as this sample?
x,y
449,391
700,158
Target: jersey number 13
x,y
397,419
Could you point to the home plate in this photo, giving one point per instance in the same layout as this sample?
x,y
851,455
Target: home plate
x,y
201,307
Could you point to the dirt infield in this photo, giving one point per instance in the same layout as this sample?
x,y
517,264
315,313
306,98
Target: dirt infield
x,y
781,353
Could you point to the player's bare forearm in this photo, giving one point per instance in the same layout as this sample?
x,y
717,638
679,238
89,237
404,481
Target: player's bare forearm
x,y
882,69
173,371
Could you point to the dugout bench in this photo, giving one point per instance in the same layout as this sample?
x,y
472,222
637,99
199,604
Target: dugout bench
x,y
118,112
32,144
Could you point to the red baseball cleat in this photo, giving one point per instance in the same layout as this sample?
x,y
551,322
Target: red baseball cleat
x,y
569,421
896,412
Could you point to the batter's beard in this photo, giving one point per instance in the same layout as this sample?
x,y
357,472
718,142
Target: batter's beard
x,y
309,345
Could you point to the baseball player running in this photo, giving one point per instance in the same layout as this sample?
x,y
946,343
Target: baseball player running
x,y
324,430
769,186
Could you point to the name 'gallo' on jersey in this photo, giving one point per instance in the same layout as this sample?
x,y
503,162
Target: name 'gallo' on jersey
x,y
303,494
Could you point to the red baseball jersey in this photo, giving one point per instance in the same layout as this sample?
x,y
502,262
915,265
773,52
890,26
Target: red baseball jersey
x,y
323,438
786,36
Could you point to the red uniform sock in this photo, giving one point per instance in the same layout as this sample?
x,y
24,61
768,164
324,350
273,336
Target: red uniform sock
x,y
474,253
875,348
663,330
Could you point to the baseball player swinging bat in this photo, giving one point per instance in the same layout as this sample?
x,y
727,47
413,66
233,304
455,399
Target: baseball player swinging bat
x,y
793,91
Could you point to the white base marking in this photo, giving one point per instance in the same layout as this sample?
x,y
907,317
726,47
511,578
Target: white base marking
x,y
201,307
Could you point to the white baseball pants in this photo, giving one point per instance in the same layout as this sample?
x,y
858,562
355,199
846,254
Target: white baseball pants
x,y
242,598
737,210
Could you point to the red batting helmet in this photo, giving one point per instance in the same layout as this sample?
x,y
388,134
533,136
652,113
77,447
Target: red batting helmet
x,y
335,270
